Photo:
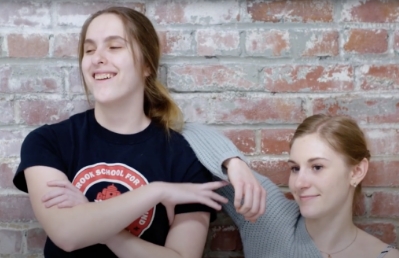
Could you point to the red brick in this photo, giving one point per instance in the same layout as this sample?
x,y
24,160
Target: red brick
x,y
10,143
245,140
364,41
15,208
379,77
258,109
212,42
305,78
383,141
204,12
34,78
76,13
277,171
382,173
276,141
360,207
396,41
75,81
195,108
33,45
176,42
38,112
291,11
212,78
271,43
225,238
315,43
35,239
386,232
377,11
66,45
385,204
6,175
25,13
370,110
10,242
7,110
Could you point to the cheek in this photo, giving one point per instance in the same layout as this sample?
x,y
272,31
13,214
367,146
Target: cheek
x,y
85,64
291,182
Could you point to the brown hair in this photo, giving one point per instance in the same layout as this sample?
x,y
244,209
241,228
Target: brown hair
x,y
342,134
158,104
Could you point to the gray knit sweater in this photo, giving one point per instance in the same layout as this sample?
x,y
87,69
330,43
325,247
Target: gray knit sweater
x,y
281,231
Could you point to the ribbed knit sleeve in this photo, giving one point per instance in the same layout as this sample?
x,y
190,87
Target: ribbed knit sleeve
x,y
280,232
211,147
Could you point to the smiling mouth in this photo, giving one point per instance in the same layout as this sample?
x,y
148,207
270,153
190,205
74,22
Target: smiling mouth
x,y
308,197
103,76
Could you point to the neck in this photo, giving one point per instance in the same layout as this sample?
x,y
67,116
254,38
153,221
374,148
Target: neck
x,y
122,119
332,233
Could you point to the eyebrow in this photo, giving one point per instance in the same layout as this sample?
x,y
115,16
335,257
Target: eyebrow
x,y
309,160
107,39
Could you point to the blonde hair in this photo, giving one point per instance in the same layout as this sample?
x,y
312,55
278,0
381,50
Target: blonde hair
x,y
158,103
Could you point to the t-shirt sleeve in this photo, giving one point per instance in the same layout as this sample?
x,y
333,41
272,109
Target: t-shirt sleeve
x,y
39,148
192,171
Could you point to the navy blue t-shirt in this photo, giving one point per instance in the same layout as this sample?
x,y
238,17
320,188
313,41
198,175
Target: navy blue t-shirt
x,y
103,164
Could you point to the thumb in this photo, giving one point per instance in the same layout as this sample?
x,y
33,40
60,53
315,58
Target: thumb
x,y
170,211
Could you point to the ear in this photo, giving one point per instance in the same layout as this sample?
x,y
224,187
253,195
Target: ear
x,y
359,171
146,71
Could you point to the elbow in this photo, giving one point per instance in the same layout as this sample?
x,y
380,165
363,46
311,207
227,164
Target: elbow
x,y
66,240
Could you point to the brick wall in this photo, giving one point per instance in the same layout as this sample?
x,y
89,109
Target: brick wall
x,y
252,69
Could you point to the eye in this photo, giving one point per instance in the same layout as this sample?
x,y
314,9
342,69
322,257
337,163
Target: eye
x,y
317,167
88,51
294,169
115,47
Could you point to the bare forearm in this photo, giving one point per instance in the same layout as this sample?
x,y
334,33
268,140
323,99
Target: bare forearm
x,y
93,223
126,245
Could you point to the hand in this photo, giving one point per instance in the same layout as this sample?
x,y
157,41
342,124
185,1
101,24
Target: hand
x,y
64,194
250,196
184,193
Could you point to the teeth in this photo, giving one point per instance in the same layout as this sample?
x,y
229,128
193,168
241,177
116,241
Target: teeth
x,y
103,76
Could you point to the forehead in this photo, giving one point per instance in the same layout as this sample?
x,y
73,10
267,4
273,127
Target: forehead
x,y
310,146
104,26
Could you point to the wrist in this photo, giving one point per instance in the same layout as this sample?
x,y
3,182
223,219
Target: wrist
x,y
158,190
231,162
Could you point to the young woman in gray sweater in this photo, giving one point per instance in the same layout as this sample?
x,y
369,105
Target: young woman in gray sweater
x,y
328,160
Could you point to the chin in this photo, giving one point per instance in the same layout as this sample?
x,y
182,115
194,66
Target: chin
x,y
310,212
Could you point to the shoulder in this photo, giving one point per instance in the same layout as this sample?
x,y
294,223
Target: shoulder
x,y
371,246
389,253
177,141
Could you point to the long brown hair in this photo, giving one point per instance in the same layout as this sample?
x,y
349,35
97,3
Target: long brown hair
x,y
342,134
158,104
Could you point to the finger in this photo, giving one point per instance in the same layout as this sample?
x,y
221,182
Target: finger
x,y
262,207
247,199
55,201
257,195
218,198
65,204
52,194
238,195
214,185
210,203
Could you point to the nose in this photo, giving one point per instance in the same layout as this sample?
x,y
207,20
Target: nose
x,y
98,57
302,179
